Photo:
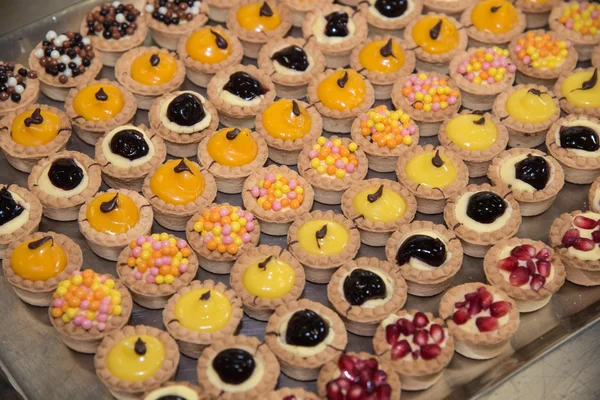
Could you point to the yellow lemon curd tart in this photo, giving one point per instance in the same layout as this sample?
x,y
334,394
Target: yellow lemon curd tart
x,y
493,22
21,214
537,12
386,17
168,20
26,88
579,23
578,92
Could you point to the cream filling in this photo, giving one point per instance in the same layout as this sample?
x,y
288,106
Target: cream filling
x,y
579,152
463,218
45,185
594,254
234,100
418,264
508,174
255,378
470,325
15,223
288,71
408,357
122,162
505,252
172,126
318,31
374,12
372,303
176,390
301,350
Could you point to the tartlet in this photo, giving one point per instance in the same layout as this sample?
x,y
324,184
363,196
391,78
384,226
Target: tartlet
x,y
299,9
482,319
536,12
578,92
182,119
32,134
596,57
286,393
304,335
493,22
527,270
533,177
179,390
322,241
389,17
35,264
201,314
378,207
21,214
365,292
432,175
481,215
453,8
63,182
218,9
25,88
266,277
168,20
594,196
562,21
427,255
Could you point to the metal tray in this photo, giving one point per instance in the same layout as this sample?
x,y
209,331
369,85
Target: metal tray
x,y
39,365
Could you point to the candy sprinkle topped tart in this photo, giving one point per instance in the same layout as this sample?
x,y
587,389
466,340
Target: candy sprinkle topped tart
x,y
389,16
578,22
168,20
493,22
578,92
20,88
20,214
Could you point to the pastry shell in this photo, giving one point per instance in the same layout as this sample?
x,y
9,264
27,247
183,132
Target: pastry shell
x,y
583,43
379,23
167,36
594,196
453,8
30,226
478,37
217,9
29,96
596,57
295,393
151,394
565,105
299,9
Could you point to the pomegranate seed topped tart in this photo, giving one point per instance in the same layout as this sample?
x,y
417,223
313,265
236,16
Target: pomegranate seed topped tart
x,y
168,20
527,270
578,92
482,319
389,17
299,9
575,237
594,196
537,12
579,23
26,88
493,22
417,345
21,214
177,390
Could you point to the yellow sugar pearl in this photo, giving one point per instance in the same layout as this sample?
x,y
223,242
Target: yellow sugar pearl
x,y
278,185
345,159
278,193
419,96
488,57
164,236
147,246
145,255
218,239
322,140
477,80
329,160
340,173
443,105
159,279
337,142
91,315
427,107
216,230
260,201
316,147
175,262
156,236
395,115
448,90
238,241
66,318
285,189
234,217
236,226
169,279
260,184
370,124
469,68
77,280
61,290
405,118
315,162
492,71
552,64
278,177
198,226
379,127
535,56
498,77
376,118
71,312
178,256
477,66
431,91
422,76
352,147
407,140
117,310
593,30
242,222
322,169
394,124
299,190
427,98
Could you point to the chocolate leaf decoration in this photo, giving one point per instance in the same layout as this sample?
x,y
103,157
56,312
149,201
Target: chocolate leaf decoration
x,y
101,95
590,83
535,91
220,40
36,118
320,234
154,60
386,50
263,265
495,8
108,206
182,167
295,108
434,33
205,296
265,10
140,347
373,197
437,160
480,121
232,134
37,243
343,80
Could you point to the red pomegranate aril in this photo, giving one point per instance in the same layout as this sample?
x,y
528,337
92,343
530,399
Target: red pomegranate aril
x,y
400,349
347,367
500,308
384,392
366,374
459,304
392,333
420,320
380,377
460,316
485,299
584,222
508,263
486,324
407,328
584,244
356,392
543,254
522,252
437,333
537,282
596,236
343,383
474,308
290,397
519,276
416,354
430,351
372,364
531,266
543,268
570,237
334,392
471,296
421,337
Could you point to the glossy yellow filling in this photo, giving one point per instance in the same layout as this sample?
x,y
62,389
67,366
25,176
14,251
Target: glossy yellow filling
x,y
249,17
272,280
202,312
421,169
175,187
466,134
202,46
387,208
39,264
335,240
446,40
87,104
35,134
371,58
527,106
124,363
280,121
233,151
337,93
571,90
119,220
496,16
144,72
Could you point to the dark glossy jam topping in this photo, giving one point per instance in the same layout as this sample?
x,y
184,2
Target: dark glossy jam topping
x,y
234,366
9,209
337,24
306,328
244,86
292,57
171,397
430,250
579,137
533,170
185,110
65,174
130,144
391,8
485,207
362,285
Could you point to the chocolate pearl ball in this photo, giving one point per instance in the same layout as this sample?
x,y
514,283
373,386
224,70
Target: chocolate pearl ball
x,y
130,31
43,61
116,35
4,96
10,89
63,79
90,54
10,65
70,34
16,97
32,75
189,17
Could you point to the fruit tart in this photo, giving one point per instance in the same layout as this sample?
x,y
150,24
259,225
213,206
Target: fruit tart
x,y
231,155
482,319
304,335
300,9
63,182
276,214
417,345
389,17
533,177
495,22
574,141
365,292
332,165
256,22
481,73
412,94
297,393
537,12
528,271
64,61
32,134
291,63
266,277
336,377
579,92
149,72
340,96
168,20
174,390
99,106
20,214
200,314
239,93
575,237
20,89
178,189
286,125
110,220
35,264
432,175
594,196
453,8
378,207
482,215
436,39
127,154
237,367
86,307
154,267
113,28
208,50
382,60
220,234
182,119
527,111
136,359
579,23
476,136
383,134
323,241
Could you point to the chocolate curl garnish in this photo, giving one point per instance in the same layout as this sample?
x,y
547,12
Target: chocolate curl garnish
x,y
295,108
154,60
373,197
320,234
477,112
265,10
437,160
386,51
38,243
101,95
205,296
480,121
219,40
495,8
108,206
535,91
232,134
590,83
343,80
263,265
140,347
36,118
182,167
434,32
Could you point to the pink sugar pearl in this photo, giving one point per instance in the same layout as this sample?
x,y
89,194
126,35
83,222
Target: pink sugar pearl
x,y
138,275
461,69
101,326
167,260
518,48
292,184
452,100
569,24
183,268
291,195
412,129
339,164
103,278
226,230
246,237
255,192
335,150
166,243
485,66
263,192
313,154
78,320
86,324
158,262
249,217
206,239
349,168
276,206
137,252
58,302
511,68
411,97
491,80
102,317
526,59
105,300
140,240
417,88
435,106
227,240
250,225
470,76
223,212
149,279
408,83
405,132
156,245
85,304
154,271
270,177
